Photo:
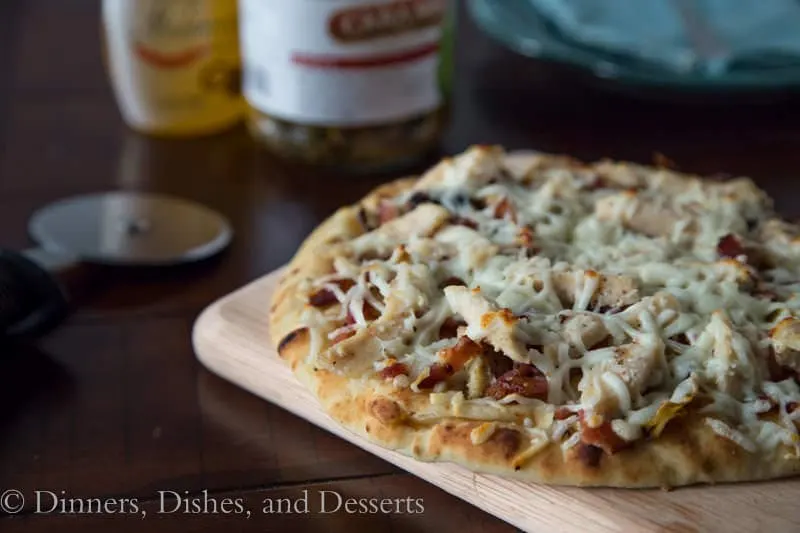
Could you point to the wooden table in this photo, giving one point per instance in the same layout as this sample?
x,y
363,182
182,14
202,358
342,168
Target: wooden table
x,y
114,404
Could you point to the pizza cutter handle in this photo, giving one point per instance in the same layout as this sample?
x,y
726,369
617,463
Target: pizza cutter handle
x,y
32,301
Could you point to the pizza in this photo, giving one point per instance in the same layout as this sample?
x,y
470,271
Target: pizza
x,y
604,324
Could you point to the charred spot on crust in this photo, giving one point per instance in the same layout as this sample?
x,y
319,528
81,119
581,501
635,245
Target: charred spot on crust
x,y
589,454
363,219
386,411
290,338
507,440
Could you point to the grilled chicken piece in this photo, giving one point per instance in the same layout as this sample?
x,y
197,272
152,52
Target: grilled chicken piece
x,y
470,170
484,322
730,354
612,385
641,215
733,270
468,243
584,331
610,290
621,175
786,343
634,364
421,222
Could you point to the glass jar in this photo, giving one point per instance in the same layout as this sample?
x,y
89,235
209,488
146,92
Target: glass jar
x,y
174,64
355,84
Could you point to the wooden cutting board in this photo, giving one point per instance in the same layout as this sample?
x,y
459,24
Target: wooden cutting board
x,y
231,338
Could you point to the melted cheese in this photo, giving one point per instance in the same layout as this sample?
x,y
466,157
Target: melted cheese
x,y
617,295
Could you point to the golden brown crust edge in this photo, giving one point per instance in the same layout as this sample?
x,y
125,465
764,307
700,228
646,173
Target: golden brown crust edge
x,y
688,452
286,307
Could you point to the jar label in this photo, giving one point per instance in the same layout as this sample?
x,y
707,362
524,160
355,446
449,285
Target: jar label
x,y
342,62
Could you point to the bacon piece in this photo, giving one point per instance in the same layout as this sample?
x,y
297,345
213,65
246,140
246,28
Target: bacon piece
x,y
763,293
791,406
478,204
681,338
325,297
505,208
449,328
436,373
463,221
562,413
457,356
498,363
597,182
370,313
393,370
322,298
777,372
526,241
524,379
729,246
387,211
342,336
602,436
401,255
452,280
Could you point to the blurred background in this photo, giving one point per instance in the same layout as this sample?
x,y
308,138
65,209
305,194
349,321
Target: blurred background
x,y
97,96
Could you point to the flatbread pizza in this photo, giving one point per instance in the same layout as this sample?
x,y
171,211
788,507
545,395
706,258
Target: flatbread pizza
x,y
540,318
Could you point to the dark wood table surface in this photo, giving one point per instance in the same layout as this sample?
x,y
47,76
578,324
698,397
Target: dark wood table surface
x,y
114,405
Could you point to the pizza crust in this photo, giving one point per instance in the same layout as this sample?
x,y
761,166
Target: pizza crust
x,y
687,452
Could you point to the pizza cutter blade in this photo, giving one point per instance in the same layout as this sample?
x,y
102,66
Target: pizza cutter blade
x,y
115,229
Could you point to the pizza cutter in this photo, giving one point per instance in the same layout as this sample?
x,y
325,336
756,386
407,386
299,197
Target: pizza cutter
x,y
76,235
